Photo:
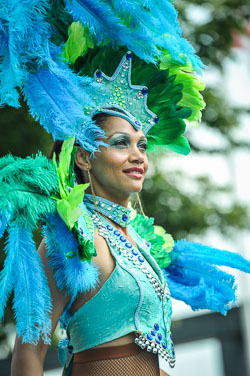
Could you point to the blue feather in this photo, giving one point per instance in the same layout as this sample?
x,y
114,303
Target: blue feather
x,y
151,23
3,224
194,277
6,278
63,96
74,275
210,255
24,35
98,15
24,273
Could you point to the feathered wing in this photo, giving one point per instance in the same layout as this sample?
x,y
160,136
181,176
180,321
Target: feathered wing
x,y
194,276
30,191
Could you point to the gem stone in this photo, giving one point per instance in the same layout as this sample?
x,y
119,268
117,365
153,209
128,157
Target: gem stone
x,y
156,326
117,233
144,91
135,252
109,227
124,217
137,122
98,74
141,259
164,345
129,56
153,332
122,238
156,119
150,337
128,245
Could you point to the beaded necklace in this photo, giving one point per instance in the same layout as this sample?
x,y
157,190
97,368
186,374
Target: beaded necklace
x,y
117,213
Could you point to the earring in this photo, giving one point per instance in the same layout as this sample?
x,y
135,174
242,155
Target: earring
x,y
91,186
140,204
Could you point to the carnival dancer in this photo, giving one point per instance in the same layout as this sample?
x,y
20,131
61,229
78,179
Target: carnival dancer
x,y
112,81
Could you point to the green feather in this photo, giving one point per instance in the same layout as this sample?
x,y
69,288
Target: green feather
x,y
192,85
78,43
70,197
26,187
173,93
161,242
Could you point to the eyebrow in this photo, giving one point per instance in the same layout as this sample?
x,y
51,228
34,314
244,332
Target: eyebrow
x,y
126,134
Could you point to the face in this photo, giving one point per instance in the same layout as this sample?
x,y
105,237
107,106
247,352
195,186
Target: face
x,y
119,169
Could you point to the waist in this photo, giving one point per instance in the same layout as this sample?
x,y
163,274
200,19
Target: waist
x,y
104,353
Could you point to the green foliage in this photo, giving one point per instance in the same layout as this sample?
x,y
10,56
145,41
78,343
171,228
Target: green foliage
x,y
184,215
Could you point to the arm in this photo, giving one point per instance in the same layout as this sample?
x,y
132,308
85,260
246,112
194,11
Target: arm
x,y
28,359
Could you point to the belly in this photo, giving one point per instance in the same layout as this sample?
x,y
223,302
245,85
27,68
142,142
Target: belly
x,y
128,338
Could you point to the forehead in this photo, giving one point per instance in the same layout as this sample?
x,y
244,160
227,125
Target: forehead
x,y
114,124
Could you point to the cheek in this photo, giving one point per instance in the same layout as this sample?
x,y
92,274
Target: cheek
x,y
146,165
115,159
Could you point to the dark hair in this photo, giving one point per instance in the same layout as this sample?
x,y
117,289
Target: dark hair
x,y
99,118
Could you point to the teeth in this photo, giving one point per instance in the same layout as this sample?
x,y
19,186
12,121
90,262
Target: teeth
x,y
134,172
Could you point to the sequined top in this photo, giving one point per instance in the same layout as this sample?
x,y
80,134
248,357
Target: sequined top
x,y
135,298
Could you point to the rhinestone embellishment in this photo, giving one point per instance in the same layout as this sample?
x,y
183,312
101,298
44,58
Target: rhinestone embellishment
x,y
130,252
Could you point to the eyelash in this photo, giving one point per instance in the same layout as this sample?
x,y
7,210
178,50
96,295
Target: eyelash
x,y
142,145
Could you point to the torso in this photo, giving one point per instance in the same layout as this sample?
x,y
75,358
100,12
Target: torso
x,y
106,264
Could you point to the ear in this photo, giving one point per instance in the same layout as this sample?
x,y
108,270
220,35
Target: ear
x,y
82,159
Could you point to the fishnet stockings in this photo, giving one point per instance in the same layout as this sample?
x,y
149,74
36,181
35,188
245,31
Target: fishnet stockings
x,y
142,364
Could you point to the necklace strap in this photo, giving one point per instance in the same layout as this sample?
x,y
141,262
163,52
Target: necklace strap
x,y
117,213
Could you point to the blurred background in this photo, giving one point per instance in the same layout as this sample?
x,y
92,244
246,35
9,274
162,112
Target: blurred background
x,y
203,197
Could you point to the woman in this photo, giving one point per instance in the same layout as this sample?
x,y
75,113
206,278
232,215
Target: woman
x,y
116,171
69,79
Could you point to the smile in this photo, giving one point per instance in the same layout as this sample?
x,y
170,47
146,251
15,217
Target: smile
x,y
134,172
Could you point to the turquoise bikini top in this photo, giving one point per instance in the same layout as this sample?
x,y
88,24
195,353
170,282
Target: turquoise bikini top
x,y
135,298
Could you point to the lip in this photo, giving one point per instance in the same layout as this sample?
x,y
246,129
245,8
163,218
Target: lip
x,y
134,172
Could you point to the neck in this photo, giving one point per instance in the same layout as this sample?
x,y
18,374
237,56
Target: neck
x,y
120,198
112,210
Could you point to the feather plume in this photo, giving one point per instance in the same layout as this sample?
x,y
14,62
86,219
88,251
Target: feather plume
x,y
70,273
24,273
63,96
145,30
98,15
24,37
25,189
3,224
6,280
194,277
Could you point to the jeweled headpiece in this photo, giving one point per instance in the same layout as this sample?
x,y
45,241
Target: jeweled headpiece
x,y
117,92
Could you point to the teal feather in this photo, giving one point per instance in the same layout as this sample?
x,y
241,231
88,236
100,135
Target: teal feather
x,y
25,189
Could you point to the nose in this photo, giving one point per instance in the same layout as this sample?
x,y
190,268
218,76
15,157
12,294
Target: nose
x,y
136,155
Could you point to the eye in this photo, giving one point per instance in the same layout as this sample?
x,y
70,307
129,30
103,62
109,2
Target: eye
x,y
142,145
121,142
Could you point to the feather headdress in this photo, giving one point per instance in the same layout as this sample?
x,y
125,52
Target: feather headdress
x,y
54,70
